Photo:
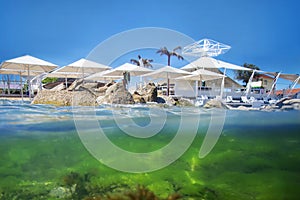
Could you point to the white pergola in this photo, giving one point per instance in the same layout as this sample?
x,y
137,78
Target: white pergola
x,y
205,47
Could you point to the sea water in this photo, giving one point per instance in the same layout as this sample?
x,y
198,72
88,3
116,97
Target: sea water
x,y
42,155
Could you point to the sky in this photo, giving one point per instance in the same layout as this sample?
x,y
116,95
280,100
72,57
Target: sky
x,y
262,32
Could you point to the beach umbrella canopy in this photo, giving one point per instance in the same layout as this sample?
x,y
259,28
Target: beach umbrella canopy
x,y
102,76
203,75
209,62
84,67
29,64
20,72
127,67
167,72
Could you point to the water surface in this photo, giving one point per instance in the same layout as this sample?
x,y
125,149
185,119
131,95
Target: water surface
x,y
256,157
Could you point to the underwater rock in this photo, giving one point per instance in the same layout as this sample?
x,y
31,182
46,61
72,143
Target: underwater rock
x,y
116,94
60,193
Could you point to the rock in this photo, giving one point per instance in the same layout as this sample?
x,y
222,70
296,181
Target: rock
x,y
168,100
148,92
60,193
116,94
291,101
59,87
184,102
57,98
84,98
280,103
214,103
75,84
89,86
287,107
103,89
65,98
138,98
160,100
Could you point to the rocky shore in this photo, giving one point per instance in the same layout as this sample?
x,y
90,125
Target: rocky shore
x,y
93,94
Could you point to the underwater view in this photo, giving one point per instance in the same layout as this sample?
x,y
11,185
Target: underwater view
x,y
257,155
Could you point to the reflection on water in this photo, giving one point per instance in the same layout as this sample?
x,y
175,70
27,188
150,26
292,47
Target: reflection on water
x,y
42,157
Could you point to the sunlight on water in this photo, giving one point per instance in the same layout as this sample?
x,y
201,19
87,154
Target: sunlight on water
x,y
256,157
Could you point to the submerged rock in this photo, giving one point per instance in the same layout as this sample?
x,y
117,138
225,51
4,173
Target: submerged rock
x,y
60,193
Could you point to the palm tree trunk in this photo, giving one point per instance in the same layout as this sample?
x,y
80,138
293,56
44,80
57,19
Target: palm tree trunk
x,y
169,60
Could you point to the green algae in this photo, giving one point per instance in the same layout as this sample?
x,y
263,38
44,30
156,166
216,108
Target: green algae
x,y
251,164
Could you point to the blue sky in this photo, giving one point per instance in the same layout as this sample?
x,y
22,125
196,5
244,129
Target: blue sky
x,y
263,32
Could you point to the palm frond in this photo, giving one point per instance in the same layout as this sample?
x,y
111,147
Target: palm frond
x,y
134,61
177,48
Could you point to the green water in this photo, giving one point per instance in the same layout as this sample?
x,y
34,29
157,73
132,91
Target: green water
x,y
256,157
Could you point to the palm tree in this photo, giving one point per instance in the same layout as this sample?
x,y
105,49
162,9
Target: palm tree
x,y
142,62
165,51
245,75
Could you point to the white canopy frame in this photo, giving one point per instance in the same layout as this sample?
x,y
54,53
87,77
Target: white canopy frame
x,y
296,81
205,47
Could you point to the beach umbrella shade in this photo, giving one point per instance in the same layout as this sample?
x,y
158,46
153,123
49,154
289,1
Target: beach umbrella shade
x,y
201,75
77,69
27,64
127,67
168,73
103,76
84,66
66,75
209,62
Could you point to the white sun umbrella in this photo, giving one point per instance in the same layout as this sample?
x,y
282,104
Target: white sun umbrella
x,y
84,67
168,73
201,75
103,76
127,67
66,75
27,64
77,69
209,62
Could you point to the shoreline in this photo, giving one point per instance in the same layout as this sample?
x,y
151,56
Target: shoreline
x,y
15,98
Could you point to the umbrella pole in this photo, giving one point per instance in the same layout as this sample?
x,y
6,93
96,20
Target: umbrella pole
x,y
168,85
21,87
66,81
223,84
28,82
196,88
